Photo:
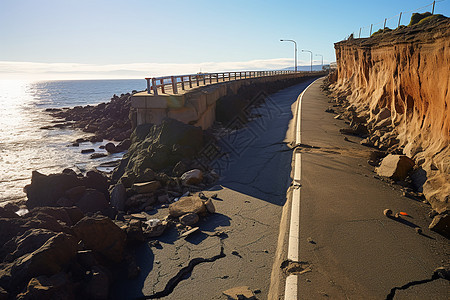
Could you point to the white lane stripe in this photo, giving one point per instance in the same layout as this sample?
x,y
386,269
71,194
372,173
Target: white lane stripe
x,y
291,287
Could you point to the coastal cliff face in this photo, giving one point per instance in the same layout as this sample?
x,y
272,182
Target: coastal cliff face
x,y
405,75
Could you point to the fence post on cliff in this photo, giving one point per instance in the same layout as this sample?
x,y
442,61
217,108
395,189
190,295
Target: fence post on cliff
x,y
370,30
432,10
384,26
399,19
359,33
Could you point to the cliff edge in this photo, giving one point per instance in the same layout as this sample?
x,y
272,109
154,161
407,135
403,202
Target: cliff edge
x,y
399,80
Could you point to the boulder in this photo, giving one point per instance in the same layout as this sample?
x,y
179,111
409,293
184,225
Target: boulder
x,y
85,151
192,177
92,201
97,155
96,180
118,196
4,213
146,187
28,242
59,213
56,286
189,219
111,148
395,167
101,235
134,231
75,193
56,253
45,190
441,224
124,145
190,204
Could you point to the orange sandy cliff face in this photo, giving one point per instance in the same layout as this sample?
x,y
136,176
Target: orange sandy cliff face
x,y
406,71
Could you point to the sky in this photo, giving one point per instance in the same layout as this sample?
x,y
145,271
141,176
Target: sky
x,y
103,39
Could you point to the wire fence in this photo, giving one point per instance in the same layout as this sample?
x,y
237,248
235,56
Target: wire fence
x,y
402,18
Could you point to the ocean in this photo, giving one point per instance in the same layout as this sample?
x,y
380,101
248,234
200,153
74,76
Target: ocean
x,y
25,147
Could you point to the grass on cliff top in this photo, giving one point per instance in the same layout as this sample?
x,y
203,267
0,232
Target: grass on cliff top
x,y
418,18
381,30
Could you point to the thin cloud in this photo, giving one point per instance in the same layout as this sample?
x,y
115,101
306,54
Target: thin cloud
x,y
34,70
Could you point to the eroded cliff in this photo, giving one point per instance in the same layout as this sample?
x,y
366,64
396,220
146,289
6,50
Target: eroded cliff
x,y
402,78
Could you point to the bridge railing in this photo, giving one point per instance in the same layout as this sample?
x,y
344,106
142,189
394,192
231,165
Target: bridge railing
x,y
160,84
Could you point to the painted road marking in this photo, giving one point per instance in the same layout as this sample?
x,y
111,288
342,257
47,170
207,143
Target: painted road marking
x,y
291,287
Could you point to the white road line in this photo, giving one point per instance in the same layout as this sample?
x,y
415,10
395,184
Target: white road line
x,y
291,287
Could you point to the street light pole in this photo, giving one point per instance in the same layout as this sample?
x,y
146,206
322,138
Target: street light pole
x,y
322,59
295,52
311,56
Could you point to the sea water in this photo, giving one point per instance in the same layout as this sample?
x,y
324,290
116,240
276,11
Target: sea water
x,y
25,147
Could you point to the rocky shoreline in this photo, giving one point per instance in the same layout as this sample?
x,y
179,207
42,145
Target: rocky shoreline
x,y
105,121
388,158
80,232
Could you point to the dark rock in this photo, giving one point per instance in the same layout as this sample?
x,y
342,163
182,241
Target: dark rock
x,y
134,231
97,155
86,259
101,235
118,196
180,168
111,148
4,213
84,151
49,259
59,213
76,192
157,147
46,190
98,181
57,286
124,145
98,285
92,201
28,242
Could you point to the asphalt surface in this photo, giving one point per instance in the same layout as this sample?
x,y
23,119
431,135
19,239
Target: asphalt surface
x,y
255,176
351,248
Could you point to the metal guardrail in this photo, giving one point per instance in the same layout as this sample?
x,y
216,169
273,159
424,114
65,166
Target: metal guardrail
x,y
157,84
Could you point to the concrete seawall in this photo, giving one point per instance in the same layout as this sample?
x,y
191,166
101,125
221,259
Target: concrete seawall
x,y
198,106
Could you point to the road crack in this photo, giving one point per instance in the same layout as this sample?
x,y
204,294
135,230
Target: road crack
x,y
184,273
439,273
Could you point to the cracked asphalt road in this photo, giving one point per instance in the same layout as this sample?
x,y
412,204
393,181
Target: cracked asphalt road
x,y
255,175
358,253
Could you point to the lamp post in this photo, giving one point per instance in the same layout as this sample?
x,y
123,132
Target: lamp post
x,y
322,59
295,52
311,56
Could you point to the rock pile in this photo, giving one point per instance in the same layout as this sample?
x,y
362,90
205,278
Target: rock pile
x,y
110,121
58,253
